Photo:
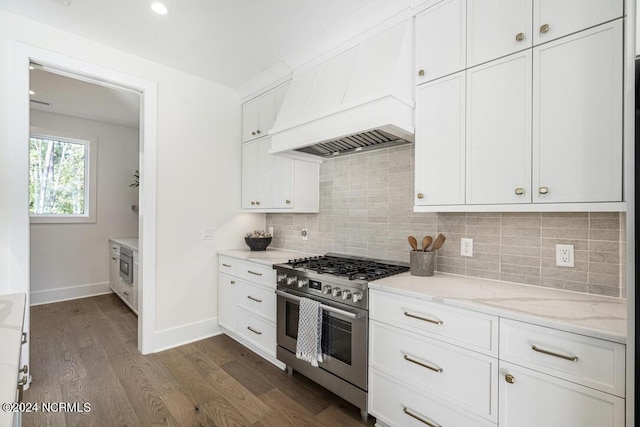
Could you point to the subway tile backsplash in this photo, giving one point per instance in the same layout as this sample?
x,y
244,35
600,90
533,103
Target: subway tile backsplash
x,y
366,209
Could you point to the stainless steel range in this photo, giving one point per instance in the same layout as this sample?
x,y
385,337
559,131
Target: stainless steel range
x,y
340,284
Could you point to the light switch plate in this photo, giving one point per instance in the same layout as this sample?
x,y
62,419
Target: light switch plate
x,y
208,234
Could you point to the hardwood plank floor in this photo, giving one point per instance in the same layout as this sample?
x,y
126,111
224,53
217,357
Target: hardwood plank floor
x,y
85,351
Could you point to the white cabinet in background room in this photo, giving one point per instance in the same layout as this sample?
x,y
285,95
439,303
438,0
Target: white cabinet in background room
x,y
497,28
114,268
127,292
247,305
440,40
577,117
440,142
274,183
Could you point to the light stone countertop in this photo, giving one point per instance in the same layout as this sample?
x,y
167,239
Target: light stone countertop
x,y
592,315
268,257
12,307
129,242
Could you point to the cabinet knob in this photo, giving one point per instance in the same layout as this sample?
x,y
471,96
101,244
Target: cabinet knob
x,y
126,293
421,73
519,191
420,196
519,37
288,202
258,131
543,190
253,133
510,378
233,282
544,28
257,203
253,203
24,370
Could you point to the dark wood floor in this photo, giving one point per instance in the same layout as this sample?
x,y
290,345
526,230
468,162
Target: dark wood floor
x,y
85,351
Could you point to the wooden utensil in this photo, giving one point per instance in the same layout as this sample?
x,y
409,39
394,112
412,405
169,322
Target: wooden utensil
x,y
438,243
426,242
413,242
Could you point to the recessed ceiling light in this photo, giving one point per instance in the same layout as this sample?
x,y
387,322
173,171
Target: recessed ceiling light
x,y
159,8
31,92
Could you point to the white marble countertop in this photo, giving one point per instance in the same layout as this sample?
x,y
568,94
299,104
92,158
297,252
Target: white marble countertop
x,y
268,257
129,242
592,315
12,308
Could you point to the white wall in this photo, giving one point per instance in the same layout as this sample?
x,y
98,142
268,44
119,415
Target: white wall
x,y
198,177
76,255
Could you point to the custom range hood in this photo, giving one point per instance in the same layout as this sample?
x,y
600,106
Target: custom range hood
x,y
358,99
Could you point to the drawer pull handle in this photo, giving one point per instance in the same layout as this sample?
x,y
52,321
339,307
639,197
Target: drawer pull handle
x,y
254,299
426,319
254,331
419,418
510,378
253,272
424,365
233,282
551,353
226,265
24,338
24,370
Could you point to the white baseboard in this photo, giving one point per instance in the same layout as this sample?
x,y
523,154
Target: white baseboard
x,y
72,292
181,335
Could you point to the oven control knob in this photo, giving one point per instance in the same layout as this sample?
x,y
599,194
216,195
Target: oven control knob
x,y
357,296
281,278
291,280
303,282
346,295
336,292
326,290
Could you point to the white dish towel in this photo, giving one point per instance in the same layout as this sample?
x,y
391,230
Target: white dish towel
x,y
308,345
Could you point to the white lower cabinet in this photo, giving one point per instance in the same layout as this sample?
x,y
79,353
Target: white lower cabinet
x,y
540,376
247,305
530,398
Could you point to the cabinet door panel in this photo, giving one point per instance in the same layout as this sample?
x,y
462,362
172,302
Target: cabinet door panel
x,y
497,28
577,117
283,183
227,301
440,141
266,171
568,16
250,119
535,399
267,114
499,131
441,40
249,174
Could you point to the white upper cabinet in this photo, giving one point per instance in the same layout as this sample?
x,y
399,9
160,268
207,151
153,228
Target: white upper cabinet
x,y
498,149
440,33
258,116
497,28
577,117
440,141
558,18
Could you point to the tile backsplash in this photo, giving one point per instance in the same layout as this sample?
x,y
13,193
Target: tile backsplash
x,y
366,209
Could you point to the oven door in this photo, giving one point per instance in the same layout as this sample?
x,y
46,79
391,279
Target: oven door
x,y
344,335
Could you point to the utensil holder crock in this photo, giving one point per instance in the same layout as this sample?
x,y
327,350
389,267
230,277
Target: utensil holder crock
x,y
421,263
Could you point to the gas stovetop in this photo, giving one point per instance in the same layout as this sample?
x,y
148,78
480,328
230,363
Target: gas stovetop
x,y
340,278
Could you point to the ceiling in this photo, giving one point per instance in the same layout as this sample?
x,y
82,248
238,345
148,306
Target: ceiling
x,y
76,98
225,41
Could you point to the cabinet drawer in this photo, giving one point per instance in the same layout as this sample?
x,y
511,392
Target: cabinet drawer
x,y
533,399
127,293
465,378
259,273
475,331
258,331
228,265
391,402
257,299
589,361
115,248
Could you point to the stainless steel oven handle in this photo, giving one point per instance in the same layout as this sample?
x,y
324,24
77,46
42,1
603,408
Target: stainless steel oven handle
x,y
322,306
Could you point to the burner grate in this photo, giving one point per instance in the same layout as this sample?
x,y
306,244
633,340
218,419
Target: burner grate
x,y
351,268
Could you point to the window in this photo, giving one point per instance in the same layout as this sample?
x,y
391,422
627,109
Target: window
x,y
62,170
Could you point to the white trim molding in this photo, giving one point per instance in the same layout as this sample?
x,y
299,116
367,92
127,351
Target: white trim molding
x,y
185,334
69,293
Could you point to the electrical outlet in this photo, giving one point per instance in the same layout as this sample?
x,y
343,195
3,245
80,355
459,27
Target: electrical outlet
x,y
305,234
466,247
208,234
271,231
564,256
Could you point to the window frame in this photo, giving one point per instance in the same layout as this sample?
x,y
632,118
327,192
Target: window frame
x,y
91,176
